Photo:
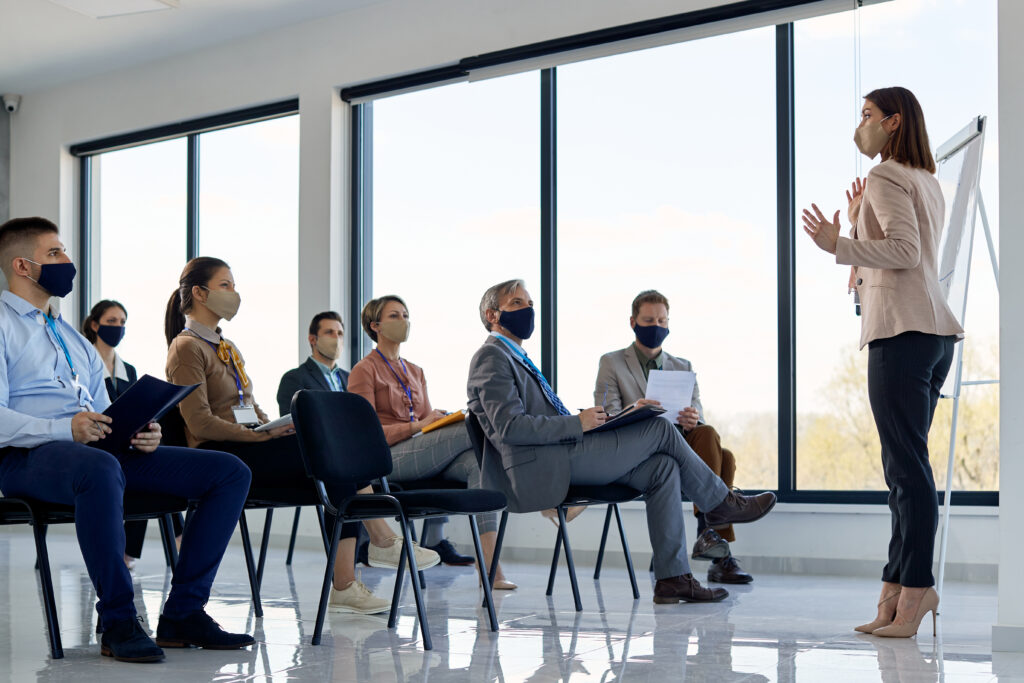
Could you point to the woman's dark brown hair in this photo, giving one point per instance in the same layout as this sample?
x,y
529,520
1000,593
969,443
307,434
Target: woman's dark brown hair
x,y
909,142
198,273
97,312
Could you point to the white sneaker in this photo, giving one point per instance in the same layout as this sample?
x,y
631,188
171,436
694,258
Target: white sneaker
x,y
358,599
388,557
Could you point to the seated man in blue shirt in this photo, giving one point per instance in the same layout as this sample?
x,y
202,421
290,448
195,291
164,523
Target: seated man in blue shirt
x,y
52,398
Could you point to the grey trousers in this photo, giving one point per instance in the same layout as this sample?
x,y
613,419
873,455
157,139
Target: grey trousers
x,y
653,457
444,453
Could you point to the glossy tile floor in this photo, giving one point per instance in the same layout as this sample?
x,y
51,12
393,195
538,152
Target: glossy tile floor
x,y
781,628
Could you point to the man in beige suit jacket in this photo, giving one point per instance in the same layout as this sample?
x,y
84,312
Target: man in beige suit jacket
x,y
622,380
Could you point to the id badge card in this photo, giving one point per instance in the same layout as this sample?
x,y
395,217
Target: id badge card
x,y
245,415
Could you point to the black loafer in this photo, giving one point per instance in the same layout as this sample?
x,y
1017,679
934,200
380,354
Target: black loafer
x,y
728,570
127,641
199,629
710,546
449,555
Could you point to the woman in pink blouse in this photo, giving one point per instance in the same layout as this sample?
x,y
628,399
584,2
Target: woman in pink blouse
x,y
397,390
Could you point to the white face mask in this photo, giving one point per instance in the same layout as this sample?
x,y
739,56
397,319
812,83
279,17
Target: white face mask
x,y
329,347
871,138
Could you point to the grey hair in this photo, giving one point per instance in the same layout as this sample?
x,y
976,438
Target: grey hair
x,y
491,297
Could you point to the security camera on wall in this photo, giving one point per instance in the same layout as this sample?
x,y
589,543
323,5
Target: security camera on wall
x,y
11,103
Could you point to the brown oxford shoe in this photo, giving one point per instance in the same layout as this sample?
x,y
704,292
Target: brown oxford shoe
x,y
709,546
728,570
739,509
685,588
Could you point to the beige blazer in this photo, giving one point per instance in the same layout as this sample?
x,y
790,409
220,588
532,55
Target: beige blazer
x,y
894,247
619,373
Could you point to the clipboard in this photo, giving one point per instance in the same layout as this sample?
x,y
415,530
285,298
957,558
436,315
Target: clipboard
x,y
628,417
450,419
146,401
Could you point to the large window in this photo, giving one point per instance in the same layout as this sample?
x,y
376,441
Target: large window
x,y
908,44
456,210
141,216
648,195
244,182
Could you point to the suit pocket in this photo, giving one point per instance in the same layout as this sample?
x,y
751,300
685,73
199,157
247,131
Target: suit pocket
x,y
522,456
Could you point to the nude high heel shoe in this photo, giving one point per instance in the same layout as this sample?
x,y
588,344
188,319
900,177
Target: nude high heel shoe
x,y
929,603
879,622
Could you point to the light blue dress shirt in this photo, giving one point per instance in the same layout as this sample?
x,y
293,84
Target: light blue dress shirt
x,y
332,375
38,396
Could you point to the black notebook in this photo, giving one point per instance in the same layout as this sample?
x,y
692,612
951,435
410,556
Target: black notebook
x,y
146,401
629,416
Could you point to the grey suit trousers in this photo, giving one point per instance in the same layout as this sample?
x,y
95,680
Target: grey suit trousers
x,y
653,457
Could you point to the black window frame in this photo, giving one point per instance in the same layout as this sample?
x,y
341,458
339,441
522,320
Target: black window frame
x,y
361,96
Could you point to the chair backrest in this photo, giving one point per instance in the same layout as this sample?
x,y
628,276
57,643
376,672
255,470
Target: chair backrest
x,y
340,437
476,437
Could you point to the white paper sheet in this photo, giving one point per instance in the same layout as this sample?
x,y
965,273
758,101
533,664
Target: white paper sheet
x,y
673,389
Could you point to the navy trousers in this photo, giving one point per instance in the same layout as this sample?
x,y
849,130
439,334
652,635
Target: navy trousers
x,y
905,376
94,481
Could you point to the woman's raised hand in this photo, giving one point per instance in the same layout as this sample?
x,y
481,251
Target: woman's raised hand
x,y
854,196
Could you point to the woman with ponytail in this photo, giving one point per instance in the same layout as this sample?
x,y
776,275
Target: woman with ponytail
x,y
221,412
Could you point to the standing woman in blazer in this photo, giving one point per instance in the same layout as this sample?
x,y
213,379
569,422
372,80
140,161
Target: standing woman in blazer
x,y
104,327
897,216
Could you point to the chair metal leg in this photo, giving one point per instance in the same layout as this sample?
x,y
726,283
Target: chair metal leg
x,y
250,565
650,567
554,563
412,532
325,589
421,610
164,544
46,583
396,595
264,547
488,598
497,549
36,567
295,533
625,551
568,559
170,544
323,528
604,539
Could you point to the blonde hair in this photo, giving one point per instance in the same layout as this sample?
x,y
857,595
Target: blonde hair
x,y
373,310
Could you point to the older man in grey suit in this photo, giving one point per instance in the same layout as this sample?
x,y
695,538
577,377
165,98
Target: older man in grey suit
x,y
622,379
536,448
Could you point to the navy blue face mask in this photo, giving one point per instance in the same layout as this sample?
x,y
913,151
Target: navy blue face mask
x,y
56,278
111,334
650,336
519,323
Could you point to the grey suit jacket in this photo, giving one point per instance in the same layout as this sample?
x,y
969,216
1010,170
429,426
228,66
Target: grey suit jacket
x,y
619,373
528,443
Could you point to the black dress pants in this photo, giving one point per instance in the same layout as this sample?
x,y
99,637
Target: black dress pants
x,y
277,463
905,375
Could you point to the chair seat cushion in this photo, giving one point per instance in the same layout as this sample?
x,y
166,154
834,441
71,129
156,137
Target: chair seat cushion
x,y
431,502
281,497
136,506
604,493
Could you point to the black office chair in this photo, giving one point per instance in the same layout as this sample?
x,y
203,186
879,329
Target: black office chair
x,y
342,444
40,515
609,494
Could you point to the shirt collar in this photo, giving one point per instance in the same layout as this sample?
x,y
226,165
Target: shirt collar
x,y
323,368
659,360
120,371
508,341
23,307
202,331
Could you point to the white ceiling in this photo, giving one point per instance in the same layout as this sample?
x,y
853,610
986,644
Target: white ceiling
x,y
44,45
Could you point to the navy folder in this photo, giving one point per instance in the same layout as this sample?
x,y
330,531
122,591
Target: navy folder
x,y
146,401
629,416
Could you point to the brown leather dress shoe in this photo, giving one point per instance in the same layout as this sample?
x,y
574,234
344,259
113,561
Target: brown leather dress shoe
x,y
739,509
728,570
709,546
685,588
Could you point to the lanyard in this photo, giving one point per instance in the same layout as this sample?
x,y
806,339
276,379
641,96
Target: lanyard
x,y
405,388
53,328
234,370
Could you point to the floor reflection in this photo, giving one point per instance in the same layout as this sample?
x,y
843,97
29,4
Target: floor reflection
x,y
783,629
